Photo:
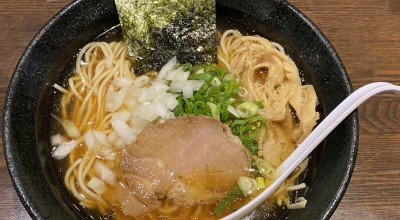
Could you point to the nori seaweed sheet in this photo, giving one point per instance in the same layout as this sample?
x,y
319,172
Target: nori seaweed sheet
x,y
157,30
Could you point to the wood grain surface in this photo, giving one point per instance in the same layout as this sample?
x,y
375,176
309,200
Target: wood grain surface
x,y
365,33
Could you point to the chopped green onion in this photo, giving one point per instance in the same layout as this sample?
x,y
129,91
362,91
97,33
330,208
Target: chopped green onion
x,y
234,194
260,182
202,76
200,108
247,185
266,169
215,82
247,109
199,71
227,77
189,105
220,93
247,131
214,110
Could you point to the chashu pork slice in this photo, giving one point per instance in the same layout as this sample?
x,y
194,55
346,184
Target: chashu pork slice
x,y
191,159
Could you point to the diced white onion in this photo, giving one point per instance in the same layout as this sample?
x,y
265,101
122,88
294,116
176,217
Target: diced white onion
x,y
107,153
146,111
95,183
171,103
124,115
196,84
169,115
183,76
100,137
167,67
141,81
71,128
172,74
112,138
168,100
64,149
160,88
142,105
120,82
160,110
153,92
114,100
56,140
139,123
123,130
187,90
119,143
130,102
119,100
109,100
136,92
104,173
176,86
100,190
147,95
89,139
177,74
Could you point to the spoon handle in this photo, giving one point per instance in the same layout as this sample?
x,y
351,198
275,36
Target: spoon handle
x,y
346,107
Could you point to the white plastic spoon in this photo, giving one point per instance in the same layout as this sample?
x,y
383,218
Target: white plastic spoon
x,y
346,107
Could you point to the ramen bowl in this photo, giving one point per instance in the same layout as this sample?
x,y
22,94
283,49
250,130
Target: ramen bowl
x,y
29,100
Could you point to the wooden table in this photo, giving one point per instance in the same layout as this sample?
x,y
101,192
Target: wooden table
x,y
365,33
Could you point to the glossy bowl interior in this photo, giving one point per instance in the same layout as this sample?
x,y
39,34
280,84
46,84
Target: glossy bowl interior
x,y
29,99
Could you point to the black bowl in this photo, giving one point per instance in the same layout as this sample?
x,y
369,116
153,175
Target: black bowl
x,y
27,103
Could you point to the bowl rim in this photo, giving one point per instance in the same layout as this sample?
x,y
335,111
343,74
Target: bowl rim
x,y
12,157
